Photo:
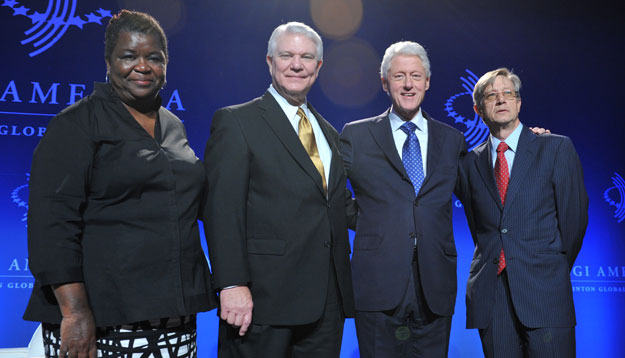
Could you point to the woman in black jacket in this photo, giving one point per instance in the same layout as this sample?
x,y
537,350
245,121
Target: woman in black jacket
x,y
115,194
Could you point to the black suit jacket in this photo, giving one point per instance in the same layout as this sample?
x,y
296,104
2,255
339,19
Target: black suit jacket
x,y
540,228
269,224
390,216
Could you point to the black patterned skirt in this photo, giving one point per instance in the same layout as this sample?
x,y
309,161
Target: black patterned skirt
x,y
167,337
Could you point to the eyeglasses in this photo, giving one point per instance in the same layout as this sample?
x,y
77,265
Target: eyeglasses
x,y
506,94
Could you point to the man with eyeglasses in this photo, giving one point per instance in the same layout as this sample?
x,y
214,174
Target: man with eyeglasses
x,y
527,209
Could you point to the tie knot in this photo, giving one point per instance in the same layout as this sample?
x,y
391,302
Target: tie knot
x,y
408,127
300,112
502,147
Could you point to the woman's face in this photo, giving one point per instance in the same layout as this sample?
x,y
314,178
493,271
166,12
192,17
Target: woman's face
x,y
137,67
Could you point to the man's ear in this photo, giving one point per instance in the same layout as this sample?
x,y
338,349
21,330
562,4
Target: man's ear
x,y
269,62
477,110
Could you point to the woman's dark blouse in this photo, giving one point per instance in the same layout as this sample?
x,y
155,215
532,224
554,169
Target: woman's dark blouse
x,y
114,208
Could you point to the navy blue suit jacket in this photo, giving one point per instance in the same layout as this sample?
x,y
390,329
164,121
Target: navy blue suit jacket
x,y
540,228
390,216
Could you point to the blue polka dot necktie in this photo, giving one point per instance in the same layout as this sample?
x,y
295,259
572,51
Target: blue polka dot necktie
x,y
411,156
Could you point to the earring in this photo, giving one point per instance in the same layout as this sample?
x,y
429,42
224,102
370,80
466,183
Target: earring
x,y
107,77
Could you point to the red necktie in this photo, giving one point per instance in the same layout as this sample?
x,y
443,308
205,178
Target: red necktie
x,y
502,177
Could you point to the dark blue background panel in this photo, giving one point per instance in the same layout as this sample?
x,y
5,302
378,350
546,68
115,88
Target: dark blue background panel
x,y
568,55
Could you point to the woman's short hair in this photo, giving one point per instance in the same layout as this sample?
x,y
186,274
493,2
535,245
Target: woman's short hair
x,y
132,21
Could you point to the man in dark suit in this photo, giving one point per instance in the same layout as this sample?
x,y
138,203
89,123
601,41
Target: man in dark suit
x,y
527,209
404,260
276,214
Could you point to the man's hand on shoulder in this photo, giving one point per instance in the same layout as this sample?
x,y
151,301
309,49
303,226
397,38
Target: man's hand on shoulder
x,y
539,130
236,307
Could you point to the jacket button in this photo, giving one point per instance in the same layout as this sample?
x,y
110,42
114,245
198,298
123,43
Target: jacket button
x,y
326,243
413,235
495,261
504,231
416,202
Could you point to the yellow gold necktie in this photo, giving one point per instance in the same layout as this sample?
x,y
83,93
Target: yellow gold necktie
x,y
307,137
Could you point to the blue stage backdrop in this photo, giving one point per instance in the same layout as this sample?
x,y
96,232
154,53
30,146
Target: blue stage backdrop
x,y
568,55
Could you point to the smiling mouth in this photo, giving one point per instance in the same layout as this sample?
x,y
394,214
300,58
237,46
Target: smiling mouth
x,y
142,82
408,94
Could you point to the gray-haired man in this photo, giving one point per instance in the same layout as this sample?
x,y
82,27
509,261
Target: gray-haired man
x,y
276,222
403,167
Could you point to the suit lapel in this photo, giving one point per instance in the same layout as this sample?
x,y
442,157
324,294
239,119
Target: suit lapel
x,y
383,136
435,143
484,166
522,161
275,118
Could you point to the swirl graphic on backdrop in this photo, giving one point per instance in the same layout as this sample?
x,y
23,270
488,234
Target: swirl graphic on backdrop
x,y
19,196
614,197
476,131
48,27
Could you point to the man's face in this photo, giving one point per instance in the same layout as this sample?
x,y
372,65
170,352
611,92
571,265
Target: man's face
x,y
500,106
294,67
406,83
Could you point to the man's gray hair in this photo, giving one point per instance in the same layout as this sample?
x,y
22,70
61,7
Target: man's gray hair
x,y
295,27
488,78
404,48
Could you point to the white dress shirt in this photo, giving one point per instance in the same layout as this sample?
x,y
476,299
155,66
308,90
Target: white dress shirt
x,y
325,153
512,141
400,136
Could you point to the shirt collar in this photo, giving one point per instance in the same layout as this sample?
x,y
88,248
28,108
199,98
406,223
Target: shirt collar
x,y
512,141
289,110
418,119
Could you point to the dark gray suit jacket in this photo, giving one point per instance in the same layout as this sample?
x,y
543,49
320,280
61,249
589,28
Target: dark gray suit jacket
x,y
267,219
540,228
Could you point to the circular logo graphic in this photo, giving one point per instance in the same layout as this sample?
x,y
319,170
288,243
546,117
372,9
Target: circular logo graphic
x,y
475,131
614,197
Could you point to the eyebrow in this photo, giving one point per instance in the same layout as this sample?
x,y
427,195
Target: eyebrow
x,y
291,53
504,89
